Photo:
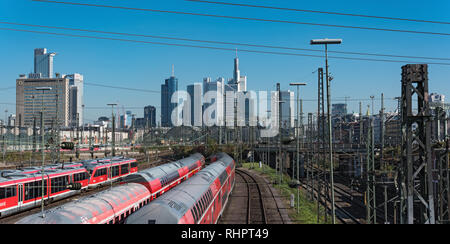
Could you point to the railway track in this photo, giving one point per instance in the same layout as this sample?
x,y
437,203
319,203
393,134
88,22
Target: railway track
x,y
155,161
344,216
256,213
261,204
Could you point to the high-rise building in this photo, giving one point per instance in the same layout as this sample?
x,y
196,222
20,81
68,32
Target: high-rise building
x,y
213,93
29,101
167,90
339,109
66,94
437,99
238,80
43,63
196,111
76,88
150,116
287,109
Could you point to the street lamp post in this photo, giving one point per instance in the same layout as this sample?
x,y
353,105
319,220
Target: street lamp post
x,y
326,42
43,89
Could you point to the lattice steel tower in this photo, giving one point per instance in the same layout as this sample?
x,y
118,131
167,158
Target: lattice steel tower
x,y
415,176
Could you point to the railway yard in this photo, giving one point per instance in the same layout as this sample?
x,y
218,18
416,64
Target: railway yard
x,y
263,204
154,161
254,201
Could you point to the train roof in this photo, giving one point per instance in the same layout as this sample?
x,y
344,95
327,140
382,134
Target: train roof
x,y
173,205
88,208
151,174
15,175
91,164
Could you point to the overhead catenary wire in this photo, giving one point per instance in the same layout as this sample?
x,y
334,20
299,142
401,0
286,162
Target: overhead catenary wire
x,y
218,42
122,88
220,48
322,12
251,18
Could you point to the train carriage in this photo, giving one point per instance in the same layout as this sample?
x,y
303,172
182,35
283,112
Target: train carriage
x,y
161,179
104,171
111,206
20,192
199,200
111,209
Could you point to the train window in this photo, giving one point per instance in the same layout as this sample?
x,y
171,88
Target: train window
x,y
115,171
34,189
201,205
10,191
197,210
58,184
204,203
133,164
193,215
7,192
124,169
100,172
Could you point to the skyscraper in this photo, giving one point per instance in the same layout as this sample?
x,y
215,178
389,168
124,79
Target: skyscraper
x,y
29,100
65,98
167,90
287,109
195,92
43,63
213,93
150,116
339,109
76,88
240,81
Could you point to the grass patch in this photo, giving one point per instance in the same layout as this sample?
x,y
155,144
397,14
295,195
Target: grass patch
x,y
307,212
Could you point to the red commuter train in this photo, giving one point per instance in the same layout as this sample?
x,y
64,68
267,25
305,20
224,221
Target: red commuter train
x,y
22,191
199,200
114,205
102,172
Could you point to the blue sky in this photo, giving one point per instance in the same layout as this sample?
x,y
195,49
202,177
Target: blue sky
x,y
146,66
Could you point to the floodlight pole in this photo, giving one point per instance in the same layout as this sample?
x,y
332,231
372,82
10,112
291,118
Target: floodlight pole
x,y
330,136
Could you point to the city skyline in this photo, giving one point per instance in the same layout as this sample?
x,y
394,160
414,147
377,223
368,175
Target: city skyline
x,y
108,63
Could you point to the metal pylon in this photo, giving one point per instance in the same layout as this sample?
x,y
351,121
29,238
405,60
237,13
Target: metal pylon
x,y
415,173
371,207
321,142
443,184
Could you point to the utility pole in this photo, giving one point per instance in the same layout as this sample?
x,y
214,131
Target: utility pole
x,y
298,142
321,134
297,129
43,89
279,134
5,138
113,136
58,130
371,207
382,163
